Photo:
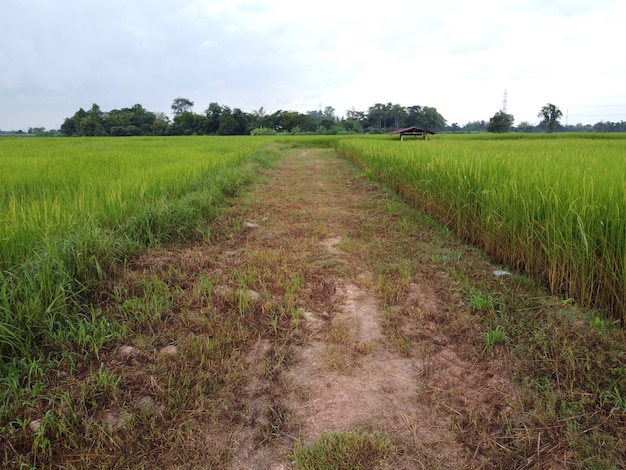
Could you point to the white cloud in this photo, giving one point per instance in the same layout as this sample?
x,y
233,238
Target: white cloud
x,y
455,55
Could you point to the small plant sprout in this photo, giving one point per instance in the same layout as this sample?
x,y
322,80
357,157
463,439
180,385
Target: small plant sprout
x,y
480,302
493,338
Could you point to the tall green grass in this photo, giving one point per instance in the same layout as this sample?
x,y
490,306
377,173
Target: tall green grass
x,y
70,209
554,208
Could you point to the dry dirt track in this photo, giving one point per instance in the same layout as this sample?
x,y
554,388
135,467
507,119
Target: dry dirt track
x,y
379,337
348,373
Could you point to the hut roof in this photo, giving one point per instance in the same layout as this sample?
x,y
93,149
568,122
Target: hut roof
x,y
411,130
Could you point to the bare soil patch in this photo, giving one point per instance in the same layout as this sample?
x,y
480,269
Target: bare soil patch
x,y
322,305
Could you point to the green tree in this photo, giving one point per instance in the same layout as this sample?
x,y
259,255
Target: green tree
x,y
359,116
68,128
500,123
316,116
396,116
525,126
413,115
329,112
213,113
228,124
181,105
189,123
431,119
475,126
550,116
376,115
91,123
352,126
233,122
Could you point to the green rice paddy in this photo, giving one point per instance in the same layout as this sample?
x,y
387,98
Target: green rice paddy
x,y
554,208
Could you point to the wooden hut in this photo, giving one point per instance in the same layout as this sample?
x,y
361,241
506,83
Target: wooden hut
x,y
413,130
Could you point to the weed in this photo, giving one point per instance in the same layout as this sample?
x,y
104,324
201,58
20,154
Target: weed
x,y
277,417
494,337
480,302
345,451
341,329
615,399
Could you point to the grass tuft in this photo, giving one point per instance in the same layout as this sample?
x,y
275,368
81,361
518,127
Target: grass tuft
x,y
345,451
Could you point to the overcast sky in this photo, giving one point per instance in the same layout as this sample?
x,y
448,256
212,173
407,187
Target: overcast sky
x,y
458,56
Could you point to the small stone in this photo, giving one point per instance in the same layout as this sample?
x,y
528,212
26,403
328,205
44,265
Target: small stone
x,y
147,403
170,350
253,295
35,424
251,225
222,290
113,420
125,352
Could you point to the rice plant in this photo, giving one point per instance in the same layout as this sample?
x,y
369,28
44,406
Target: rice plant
x,y
553,208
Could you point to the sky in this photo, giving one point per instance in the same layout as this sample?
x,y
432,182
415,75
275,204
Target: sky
x,y
458,56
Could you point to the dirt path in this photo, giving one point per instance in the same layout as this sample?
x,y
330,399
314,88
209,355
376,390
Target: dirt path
x,y
359,325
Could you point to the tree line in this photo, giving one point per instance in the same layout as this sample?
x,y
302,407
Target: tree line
x,y
222,120
218,119
550,116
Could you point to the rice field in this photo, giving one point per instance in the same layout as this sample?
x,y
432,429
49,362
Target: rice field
x,y
72,208
74,211
50,187
554,208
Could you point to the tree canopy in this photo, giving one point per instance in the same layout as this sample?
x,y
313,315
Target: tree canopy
x,y
222,120
181,105
550,116
218,119
501,122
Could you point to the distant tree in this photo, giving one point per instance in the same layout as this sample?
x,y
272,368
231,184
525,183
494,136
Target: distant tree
x,y
525,126
397,116
475,126
188,123
317,116
413,114
582,128
233,122
354,115
68,128
129,121
500,123
90,123
159,127
181,105
228,124
329,112
352,126
327,125
550,116
213,113
431,119
377,116
260,113
244,122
